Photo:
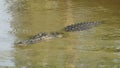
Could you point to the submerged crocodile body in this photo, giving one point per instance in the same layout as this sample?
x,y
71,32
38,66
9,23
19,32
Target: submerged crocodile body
x,y
70,28
81,26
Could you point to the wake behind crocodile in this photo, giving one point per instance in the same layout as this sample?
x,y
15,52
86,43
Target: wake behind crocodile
x,y
43,36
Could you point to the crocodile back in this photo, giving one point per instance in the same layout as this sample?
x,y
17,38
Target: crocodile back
x,y
81,26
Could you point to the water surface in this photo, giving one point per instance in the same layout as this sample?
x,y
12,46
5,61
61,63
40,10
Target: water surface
x,y
98,47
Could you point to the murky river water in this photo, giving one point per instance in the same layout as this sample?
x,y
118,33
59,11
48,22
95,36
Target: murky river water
x,y
98,47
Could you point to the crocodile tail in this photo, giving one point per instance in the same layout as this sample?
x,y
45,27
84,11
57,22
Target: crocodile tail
x,y
82,26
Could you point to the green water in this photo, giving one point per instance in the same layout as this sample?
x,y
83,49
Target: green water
x,y
98,47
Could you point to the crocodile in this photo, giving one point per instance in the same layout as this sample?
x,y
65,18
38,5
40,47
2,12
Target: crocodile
x,y
51,35
40,37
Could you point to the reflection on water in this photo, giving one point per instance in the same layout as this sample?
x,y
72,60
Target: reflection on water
x,y
5,26
95,48
6,38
